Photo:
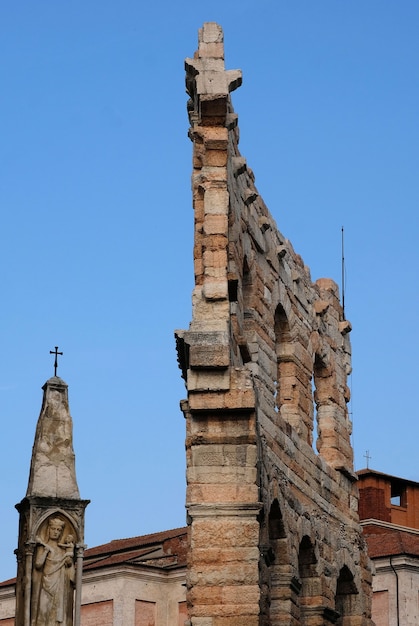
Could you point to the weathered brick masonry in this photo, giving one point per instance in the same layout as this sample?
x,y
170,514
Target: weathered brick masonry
x,y
274,537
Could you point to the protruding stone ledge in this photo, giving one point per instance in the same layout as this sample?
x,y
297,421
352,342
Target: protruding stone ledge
x,y
233,400
345,327
249,196
232,120
207,81
264,224
208,380
280,251
320,307
239,165
348,473
224,510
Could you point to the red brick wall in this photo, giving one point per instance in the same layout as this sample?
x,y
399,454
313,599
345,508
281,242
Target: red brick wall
x,y
97,614
372,504
380,608
145,613
183,613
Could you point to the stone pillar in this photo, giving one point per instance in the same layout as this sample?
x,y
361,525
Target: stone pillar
x,y
261,332
51,521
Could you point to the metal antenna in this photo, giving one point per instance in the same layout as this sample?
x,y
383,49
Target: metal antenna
x,y
343,275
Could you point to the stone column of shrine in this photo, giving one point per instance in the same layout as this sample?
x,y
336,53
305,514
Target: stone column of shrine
x,y
51,521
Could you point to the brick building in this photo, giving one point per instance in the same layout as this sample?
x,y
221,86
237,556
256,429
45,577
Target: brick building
x,y
131,582
143,578
389,510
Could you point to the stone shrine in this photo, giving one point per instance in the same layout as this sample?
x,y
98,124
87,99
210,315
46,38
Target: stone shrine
x,y
51,522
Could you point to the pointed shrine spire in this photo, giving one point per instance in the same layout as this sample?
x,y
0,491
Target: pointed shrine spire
x,y
53,472
51,521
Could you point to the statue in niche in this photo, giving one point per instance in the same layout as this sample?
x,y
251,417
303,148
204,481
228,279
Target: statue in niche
x,y
53,576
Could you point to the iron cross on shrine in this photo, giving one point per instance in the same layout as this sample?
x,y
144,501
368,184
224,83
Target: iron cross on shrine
x,y
56,359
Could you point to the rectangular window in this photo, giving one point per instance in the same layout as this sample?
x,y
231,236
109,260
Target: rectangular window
x,y
398,494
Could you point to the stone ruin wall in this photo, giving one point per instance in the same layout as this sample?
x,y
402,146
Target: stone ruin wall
x,y
273,524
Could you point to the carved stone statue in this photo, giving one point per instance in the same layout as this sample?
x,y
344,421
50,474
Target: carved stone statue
x,y
53,576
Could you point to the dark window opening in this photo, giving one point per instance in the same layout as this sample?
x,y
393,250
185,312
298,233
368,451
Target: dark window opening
x,y
398,494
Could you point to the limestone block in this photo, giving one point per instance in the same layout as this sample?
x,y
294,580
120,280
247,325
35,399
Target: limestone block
x,y
211,32
249,620
215,290
222,475
208,380
231,600
215,158
211,49
215,138
227,532
235,399
216,225
213,493
224,455
216,201
207,356
225,574
211,555
212,428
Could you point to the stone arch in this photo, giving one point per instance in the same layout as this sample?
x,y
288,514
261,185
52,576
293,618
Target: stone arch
x,y
321,400
293,379
42,522
333,426
345,597
311,606
284,586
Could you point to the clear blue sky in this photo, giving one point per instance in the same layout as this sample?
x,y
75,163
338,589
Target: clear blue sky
x,y
96,232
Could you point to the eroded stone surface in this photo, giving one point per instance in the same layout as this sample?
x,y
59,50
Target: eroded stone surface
x,y
271,487
51,521
53,471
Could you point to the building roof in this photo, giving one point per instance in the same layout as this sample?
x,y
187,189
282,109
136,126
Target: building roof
x,y
387,541
370,472
8,582
164,550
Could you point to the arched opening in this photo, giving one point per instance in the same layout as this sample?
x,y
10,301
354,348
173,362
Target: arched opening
x,y
346,595
306,559
320,399
284,384
292,387
276,523
310,593
283,587
324,402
